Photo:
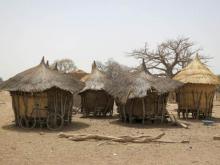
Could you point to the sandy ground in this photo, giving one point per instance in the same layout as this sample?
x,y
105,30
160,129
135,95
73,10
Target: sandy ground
x,y
18,146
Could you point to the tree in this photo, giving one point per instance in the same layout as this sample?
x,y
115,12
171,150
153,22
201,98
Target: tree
x,y
113,69
169,57
1,80
64,65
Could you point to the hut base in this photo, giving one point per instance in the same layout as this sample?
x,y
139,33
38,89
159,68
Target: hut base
x,y
51,108
193,114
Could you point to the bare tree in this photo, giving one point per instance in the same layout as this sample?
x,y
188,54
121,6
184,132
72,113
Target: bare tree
x,y
64,65
169,57
113,69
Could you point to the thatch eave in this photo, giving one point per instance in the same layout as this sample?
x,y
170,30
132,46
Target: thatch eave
x,y
41,78
197,73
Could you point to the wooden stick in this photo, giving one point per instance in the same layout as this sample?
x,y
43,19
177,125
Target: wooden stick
x,y
121,139
143,104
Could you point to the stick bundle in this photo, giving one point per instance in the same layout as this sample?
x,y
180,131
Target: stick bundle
x,y
121,139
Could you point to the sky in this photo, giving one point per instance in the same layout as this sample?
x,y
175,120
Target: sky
x,y
87,30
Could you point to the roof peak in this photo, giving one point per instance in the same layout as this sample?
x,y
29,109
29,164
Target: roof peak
x,y
56,67
197,57
42,60
94,66
47,63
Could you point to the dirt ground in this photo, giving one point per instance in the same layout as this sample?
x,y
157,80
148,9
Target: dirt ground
x,y
40,146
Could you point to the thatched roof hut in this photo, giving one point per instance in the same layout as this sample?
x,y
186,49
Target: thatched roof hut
x,y
40,95
94,98
141,95
196,96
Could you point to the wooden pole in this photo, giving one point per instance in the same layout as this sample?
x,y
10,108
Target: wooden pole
x,y
124,114
143,104
131,111
163,100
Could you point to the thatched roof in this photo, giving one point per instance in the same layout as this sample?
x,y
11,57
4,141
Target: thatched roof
x,y
79,74
41,78
197,73
97,80
137,84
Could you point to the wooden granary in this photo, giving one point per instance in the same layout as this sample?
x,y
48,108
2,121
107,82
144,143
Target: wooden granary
x,y
42,97
196,96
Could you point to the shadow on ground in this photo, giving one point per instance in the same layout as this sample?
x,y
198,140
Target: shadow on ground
x,y
114,117
146,125
74,126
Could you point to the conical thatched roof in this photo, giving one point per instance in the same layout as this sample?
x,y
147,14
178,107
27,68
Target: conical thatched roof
x,y
96,80
197,73
41,78
137,84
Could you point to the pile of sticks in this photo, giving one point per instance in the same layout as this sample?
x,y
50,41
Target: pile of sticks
x,y
120,139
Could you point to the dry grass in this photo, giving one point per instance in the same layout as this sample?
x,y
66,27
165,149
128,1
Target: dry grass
x,y
198,73
41,78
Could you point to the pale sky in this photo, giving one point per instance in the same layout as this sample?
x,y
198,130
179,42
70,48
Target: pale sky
x,y
87,30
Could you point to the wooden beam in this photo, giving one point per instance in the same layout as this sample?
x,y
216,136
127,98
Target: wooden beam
x,y
143,104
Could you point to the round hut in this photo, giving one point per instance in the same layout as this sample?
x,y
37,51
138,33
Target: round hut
x,y
140,95
196,96
42,97
94,98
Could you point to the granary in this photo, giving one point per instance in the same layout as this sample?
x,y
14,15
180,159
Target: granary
x,y
94,98
42,97
140,95
196,96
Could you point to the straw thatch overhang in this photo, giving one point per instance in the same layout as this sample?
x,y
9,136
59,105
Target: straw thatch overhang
x,y
41,78
138,84
141,95
196,96
42,96
197,73
94,97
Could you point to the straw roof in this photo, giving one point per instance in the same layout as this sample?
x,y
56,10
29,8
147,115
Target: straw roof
x,y
137,84
41,78
79,74
197,73
97,80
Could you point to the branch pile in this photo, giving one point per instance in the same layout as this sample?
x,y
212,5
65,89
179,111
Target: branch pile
x,y
120,139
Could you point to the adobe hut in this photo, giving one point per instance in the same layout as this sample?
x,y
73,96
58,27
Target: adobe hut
x,y
140,95
196,96
42,97
94,98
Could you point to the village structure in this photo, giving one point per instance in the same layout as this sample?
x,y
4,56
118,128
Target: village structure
x,y
111,111
44,97
196,96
